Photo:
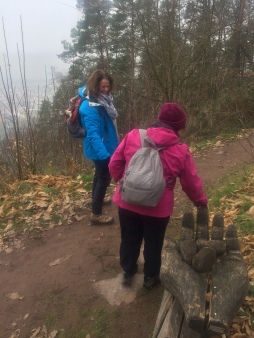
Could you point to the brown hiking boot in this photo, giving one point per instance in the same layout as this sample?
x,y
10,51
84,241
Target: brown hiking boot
x,y
101,219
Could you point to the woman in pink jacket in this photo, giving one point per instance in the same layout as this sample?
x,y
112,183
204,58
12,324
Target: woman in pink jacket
x,y
140,223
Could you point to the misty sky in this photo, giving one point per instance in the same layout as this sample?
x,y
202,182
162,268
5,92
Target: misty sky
x,y
45,24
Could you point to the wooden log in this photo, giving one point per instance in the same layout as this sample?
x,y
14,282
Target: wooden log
x,y
170,322
160,329
169,319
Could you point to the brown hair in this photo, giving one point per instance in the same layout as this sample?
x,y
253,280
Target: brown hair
x,y
93,82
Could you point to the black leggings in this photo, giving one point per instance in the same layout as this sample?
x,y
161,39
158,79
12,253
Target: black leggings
x,y
101,182
134,229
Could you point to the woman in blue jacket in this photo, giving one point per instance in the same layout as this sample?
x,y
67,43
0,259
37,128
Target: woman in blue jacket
x,y
98,117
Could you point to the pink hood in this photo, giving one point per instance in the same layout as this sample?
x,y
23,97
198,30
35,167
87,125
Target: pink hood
x,y
162,137
176,162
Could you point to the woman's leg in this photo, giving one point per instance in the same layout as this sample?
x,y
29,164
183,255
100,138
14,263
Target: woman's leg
x,y
131,240
154,232
101,182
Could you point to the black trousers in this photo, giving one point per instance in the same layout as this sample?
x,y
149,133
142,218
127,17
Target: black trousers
x,y
101,182
134,229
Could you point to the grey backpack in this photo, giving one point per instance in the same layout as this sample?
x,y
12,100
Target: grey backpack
x,y
143,183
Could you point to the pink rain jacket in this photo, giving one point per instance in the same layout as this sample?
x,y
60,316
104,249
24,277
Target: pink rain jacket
x,y
176,162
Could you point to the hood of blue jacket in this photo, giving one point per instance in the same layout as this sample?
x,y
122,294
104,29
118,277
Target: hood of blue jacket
x,y
82,91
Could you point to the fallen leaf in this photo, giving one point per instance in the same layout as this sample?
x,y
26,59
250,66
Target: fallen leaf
x,y
2,210
81,191
9,225
60,260
30,194
30,206
38,215
36,332
41,204
78,218
43,193
251,273
50,207
44,331
53,334
11,213
14,295
251,211
219,144
46,217
15,334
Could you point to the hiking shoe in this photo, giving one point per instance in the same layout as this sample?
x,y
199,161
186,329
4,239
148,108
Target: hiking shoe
x,y
151,282
107,200
127,279
101,219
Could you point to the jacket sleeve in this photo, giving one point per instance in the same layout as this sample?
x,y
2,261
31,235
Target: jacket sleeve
x,y
191,183
91,120
118,162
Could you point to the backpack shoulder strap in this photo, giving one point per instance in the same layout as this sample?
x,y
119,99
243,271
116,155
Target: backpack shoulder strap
x,y
147,141
143,134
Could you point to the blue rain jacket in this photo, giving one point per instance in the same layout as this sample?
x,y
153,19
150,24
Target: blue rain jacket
x,y
101,138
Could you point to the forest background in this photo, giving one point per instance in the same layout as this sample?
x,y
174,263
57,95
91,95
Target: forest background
x,y
197,53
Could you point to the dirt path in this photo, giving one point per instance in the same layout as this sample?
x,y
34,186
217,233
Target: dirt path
x,y
67,279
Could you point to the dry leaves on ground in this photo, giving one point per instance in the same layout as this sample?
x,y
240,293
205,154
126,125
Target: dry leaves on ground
x,y
41,202
244,321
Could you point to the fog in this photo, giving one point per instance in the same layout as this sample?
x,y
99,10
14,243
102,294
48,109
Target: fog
x,y
44,24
